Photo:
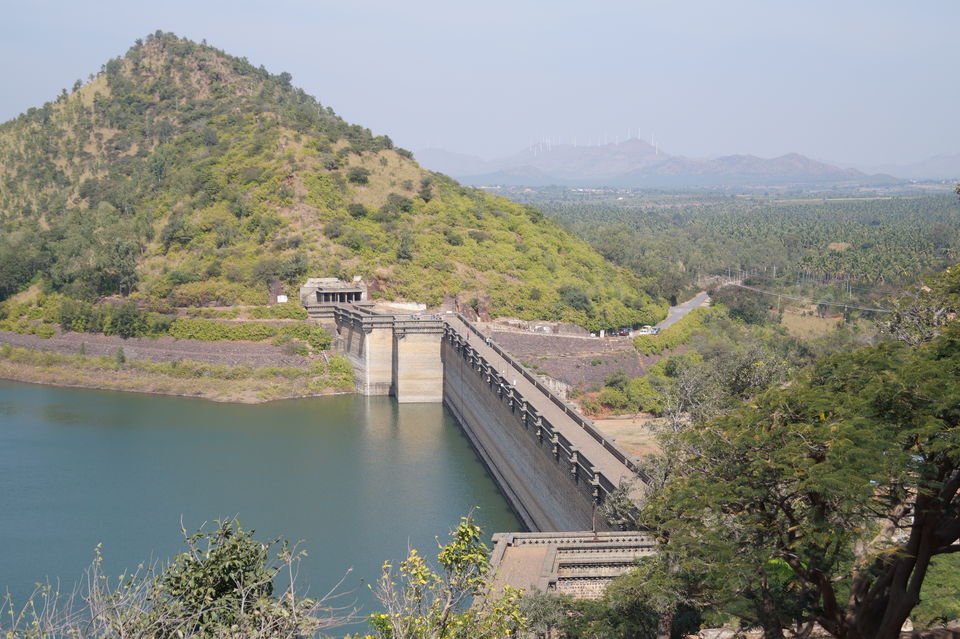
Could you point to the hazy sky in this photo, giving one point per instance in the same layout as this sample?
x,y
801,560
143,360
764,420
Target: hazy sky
x,y
866,81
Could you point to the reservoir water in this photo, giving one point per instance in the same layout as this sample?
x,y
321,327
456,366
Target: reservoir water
x,y
358,479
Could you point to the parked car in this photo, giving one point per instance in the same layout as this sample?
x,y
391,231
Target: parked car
x,y
646,330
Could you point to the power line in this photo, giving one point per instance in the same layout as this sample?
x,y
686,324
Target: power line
x,y
810,301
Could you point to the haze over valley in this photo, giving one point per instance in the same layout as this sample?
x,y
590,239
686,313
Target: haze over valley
x,y
635,163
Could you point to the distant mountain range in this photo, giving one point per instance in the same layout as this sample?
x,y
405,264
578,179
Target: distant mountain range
x,y
636,163
939,167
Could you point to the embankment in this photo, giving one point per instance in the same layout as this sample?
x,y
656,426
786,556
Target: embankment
x,y
225,372
160,349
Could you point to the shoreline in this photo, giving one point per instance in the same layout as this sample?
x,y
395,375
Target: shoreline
x,y
219,400
212,382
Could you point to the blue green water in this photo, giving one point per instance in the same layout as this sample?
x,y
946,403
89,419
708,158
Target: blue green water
x,y
359,480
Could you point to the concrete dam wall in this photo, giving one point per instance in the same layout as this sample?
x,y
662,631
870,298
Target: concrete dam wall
x,y
549,462
543,488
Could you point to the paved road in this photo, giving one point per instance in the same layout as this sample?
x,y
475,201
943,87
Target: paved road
x,y
600,457
676,312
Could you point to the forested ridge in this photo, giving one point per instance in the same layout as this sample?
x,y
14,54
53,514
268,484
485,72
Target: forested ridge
x,y
181,176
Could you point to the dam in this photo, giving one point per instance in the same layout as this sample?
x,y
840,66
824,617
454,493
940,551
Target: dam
x,y
551,464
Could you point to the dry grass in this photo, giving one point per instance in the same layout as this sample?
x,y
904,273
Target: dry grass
x,y
384,179
632,434
809,326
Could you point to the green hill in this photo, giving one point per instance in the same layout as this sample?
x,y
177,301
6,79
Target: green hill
x,y
183,176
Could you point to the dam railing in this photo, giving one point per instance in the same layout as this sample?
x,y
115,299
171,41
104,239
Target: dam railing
x,y
574,416
366,319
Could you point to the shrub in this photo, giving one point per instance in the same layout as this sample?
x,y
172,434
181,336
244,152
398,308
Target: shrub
x,y
355,240
358,175
45,331
209,291
289,310
267,270
357,210
335,228
77,316
643,396
618,379
212,330
159,324
296,347
453,238
743,304
591,406
405,247
178,277
312,334
126,320
398,204
479,236
613,398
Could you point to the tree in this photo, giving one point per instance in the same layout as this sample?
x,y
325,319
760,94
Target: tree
x,y
118,265
575,298
743,304
426,189
628,609
421,602
267,270
126,320
824,500
225,584
919,316
544,612
405,246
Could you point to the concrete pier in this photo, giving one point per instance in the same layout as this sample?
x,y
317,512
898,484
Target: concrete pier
x,y
395,355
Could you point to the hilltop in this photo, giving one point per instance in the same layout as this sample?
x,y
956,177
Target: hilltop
x,y
183,176
636,163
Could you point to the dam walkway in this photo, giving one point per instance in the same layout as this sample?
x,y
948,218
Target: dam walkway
x,y
602,453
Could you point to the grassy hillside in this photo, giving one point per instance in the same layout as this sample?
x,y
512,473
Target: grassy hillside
x,y
182,176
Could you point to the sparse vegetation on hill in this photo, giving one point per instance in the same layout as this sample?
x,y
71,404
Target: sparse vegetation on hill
x,y
124,319
184,175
